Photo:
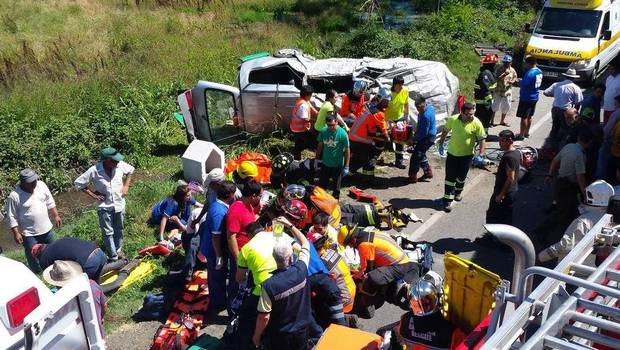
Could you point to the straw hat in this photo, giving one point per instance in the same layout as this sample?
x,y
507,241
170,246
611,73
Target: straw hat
x,y
61,272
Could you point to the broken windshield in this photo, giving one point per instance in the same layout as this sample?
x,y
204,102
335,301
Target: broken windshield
x,y
568,22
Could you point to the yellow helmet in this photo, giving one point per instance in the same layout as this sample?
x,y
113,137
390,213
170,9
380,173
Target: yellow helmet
x,y
345,233
247,168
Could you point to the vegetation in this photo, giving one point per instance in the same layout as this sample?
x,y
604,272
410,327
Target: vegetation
x,y
79,75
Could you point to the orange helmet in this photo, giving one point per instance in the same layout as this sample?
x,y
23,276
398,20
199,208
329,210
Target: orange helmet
x,y
489,58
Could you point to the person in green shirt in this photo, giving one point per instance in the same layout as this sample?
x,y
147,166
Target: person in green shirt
x,y
397,110
335,153
329,107
467,131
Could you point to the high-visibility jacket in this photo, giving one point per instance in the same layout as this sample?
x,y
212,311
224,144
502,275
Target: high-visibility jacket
x,y
484,86
366,126
349,105
340,272
300,123
378,249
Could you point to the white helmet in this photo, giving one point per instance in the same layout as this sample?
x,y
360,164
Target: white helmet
x,y
598,193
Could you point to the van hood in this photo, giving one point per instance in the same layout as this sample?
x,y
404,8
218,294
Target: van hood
x,y
558,49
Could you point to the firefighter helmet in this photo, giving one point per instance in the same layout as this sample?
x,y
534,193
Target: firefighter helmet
x,y
295,209
359,87
598,193
345,234
294,191
425,294
489,58
247,169
281,162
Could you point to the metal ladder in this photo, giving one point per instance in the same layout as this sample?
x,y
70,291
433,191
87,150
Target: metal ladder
x,y
551,318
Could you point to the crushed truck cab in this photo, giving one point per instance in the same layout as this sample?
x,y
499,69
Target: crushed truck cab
x,y
578,34
269,86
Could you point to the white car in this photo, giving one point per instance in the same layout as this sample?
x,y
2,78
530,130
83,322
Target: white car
x,y
32,317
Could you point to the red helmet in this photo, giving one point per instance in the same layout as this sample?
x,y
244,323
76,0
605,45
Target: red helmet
x,y
296,209
489,58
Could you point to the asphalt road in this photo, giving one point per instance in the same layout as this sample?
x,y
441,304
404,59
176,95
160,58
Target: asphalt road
x,y
455,232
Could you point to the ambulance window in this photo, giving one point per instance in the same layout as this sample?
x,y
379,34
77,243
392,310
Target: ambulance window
x,y
568,22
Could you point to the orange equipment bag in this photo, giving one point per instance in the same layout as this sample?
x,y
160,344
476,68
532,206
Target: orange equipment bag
x,y
261,160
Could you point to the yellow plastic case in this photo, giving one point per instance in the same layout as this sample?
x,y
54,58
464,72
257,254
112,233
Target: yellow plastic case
x,y
469,292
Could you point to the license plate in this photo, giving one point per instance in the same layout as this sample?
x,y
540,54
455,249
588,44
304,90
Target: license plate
x,y
551,74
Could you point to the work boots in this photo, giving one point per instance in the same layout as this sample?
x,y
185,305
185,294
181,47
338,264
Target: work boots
x,y
428,174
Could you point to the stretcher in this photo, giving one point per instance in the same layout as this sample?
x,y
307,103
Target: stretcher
x,y
117,280
345,338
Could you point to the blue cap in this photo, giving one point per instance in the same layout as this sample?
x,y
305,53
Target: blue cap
x,y
507,59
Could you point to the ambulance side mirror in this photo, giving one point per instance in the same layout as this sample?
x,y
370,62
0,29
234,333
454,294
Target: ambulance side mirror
x,y
528,27
606,35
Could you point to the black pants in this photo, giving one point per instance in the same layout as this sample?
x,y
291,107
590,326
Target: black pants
x,y
191,243
247,323
418,158
399,152
303,140
484,112
363,156
292,341
327,302
378,282
456,173
334,174
565,195
501,213
558,127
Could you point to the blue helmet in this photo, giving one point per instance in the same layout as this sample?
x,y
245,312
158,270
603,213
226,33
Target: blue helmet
x,y
507,59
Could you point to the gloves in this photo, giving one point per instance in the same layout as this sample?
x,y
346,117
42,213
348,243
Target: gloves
x,y
442,150
345,171
219,263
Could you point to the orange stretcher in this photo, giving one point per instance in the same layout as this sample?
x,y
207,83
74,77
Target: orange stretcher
x,y
345,338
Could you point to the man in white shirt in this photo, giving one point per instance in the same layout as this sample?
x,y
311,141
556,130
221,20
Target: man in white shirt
x,y
566,94
110,191
27,211
612,89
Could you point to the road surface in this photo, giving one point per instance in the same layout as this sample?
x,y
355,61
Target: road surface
x,y
455,232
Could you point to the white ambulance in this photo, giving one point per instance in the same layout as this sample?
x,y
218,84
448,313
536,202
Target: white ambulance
x,y
579,34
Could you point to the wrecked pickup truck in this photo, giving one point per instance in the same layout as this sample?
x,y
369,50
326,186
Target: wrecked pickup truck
x,y
269,86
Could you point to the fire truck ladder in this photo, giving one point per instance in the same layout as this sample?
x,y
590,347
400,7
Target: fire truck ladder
x,y
552,318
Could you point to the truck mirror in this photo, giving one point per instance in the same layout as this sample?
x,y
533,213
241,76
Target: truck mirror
x,y
606,35
528,27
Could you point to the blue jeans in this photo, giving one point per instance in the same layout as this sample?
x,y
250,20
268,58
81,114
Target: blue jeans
x,y
217,283
418,158
191,243
29,241
233,287
94,264
111,224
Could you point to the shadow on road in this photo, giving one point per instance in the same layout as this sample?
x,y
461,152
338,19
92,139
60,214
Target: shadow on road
x,y
407,203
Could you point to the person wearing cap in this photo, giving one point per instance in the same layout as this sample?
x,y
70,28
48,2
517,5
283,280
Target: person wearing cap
x,y
502,95
63,271
528,96
398,110
566,94
612,89
111,178
28,207
484,86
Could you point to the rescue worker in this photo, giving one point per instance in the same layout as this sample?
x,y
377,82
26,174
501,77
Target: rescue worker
x,y
284,311
467,130
301,118
424,326
285,170
353,102
246,171
483,90
502,96
362,137
328,107
398,111
327,303
384,268
422,140
365,215
595,206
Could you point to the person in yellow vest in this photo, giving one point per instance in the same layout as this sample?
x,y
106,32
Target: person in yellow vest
x,y
301,121
398,110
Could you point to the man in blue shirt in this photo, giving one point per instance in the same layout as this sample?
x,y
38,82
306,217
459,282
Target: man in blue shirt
x,y
422,140
213,246
591,106
528,96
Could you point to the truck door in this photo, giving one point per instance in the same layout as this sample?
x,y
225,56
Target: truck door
x,y
216,113
68,320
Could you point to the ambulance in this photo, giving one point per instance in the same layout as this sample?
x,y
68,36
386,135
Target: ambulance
x,y
578,34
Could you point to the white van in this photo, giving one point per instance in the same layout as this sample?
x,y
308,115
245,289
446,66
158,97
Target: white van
x,y
578,34
34,318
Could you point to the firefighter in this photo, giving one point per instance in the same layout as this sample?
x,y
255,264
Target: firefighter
x,y
424,326
483,90
363,137
301,118
365,215
245,172
353,102
285,170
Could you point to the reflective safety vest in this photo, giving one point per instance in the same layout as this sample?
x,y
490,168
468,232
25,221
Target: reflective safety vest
x,y
431,332
350,105
379,248
340,272
484,86
298,124
366,126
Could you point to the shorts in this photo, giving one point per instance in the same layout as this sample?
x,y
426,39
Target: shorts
x,y
502,103
526,109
